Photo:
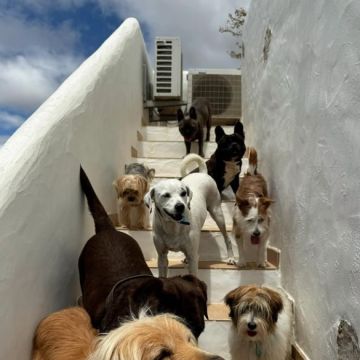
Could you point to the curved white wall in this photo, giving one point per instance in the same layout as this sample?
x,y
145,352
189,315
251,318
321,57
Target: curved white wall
x,y
92,118
302,112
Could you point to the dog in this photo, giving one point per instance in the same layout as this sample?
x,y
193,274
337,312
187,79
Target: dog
x,y
116,281
261,324
64,335
251,220
180,211
191,125
224,166
131,188
148,338
68,335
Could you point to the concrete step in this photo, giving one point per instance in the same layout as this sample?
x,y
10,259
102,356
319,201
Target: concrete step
x,y
212,247
170,167
171,133
222,279
171,149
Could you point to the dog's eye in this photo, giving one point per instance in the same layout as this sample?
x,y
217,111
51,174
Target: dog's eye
x,y
250,220
166,195
260,220
165,353
183,193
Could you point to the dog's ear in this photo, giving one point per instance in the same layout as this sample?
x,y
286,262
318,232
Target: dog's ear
x,y
149,197
239,129
189,196
192,113
219,133
276,303
180,115
117,187
266,202
143,184
151,174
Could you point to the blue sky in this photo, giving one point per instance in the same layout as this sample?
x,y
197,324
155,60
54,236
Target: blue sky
x,y
43,41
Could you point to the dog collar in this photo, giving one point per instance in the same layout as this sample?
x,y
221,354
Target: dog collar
x,y
258,350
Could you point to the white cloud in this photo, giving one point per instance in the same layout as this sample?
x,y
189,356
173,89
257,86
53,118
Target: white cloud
x,y
27,80
34,60
197,22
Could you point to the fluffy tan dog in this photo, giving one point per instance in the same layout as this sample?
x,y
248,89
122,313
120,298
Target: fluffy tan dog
x,y
132,212
64,335
148,338
68,335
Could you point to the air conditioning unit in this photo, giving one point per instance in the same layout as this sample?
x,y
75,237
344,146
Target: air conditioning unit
x,y
222,87
168,68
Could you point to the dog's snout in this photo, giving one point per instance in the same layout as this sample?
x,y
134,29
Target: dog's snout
x,y
251,325
256,232
179,207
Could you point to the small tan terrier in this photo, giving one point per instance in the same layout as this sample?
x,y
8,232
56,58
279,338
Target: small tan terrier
x,y
131,189
251,220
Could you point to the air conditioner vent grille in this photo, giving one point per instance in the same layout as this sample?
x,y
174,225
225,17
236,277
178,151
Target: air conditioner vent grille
x,y
222,90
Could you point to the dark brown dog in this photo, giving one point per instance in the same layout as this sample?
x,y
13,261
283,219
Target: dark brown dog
x,y
191,125
116,281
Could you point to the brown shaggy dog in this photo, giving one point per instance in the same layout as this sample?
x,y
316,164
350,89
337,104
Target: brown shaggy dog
x,y
116,281
64,335
68,335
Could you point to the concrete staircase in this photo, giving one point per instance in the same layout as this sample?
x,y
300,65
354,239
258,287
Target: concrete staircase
x,y
162,148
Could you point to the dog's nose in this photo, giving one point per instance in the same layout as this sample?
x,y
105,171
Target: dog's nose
x,y
131,198
251,325
179,207
256,232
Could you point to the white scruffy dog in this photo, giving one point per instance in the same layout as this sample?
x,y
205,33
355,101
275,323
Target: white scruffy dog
x,y
261,323
180,211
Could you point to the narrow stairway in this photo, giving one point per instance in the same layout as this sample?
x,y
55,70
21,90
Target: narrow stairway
x,y
162,148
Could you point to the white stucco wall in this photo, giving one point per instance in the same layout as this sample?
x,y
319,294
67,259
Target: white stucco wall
x,y
302,112
92,118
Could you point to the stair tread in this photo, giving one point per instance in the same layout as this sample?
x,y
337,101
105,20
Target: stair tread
x,y
218,312
212,265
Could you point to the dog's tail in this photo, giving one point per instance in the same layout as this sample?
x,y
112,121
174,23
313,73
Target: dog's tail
x,y
190,158
252,169
101,218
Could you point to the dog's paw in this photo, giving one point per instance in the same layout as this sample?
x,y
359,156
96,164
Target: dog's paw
x,y
231,261
261,265
241,264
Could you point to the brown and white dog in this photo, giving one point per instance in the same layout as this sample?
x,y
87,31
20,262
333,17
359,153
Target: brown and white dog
x,y
251,220
261,324
68,335
131,189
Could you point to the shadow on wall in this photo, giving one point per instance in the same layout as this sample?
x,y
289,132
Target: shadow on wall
x,y
347,341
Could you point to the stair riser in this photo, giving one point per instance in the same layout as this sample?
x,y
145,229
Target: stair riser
x,y
215,338
171,133
220,282
171,149
171,167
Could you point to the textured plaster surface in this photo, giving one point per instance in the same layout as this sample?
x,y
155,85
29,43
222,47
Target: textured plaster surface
x,y
302,111
92,118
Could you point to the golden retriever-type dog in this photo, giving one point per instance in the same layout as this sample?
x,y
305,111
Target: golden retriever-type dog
x,y
67,335
131,189
64,335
